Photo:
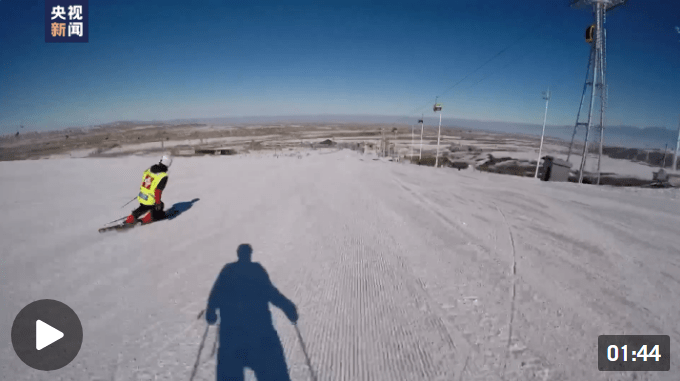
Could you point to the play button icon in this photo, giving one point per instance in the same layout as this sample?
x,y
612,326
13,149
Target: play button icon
x,y
47,335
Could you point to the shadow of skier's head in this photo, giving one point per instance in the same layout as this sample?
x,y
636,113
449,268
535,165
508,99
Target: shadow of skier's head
x,y
241,294
244,253
179,208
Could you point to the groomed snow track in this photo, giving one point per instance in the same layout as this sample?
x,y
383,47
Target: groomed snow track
x,y
399,272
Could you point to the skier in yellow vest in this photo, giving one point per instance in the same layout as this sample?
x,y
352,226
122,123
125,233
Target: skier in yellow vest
x,y
153,183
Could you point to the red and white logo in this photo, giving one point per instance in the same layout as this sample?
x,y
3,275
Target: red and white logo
x,y
147,182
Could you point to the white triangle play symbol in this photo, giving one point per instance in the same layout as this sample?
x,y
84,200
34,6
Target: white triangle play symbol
x,y
45,334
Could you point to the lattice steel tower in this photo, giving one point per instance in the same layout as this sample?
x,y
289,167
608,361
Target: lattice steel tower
x,y
595,76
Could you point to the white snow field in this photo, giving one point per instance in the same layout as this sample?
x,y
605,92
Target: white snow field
x,y
398,272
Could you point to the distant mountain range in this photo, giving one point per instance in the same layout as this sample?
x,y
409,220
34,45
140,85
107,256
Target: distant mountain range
x,y
625,136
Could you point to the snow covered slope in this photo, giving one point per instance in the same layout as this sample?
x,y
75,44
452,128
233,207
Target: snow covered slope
x,y
398,272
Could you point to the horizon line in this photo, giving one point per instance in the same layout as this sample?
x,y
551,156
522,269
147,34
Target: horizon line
x,y
397,120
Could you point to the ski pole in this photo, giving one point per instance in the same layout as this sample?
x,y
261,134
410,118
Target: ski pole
x,y
214,348
122,218
198,357
217,337
128,202
304,350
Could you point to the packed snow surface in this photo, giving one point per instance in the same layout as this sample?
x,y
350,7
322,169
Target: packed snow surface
x,y
398,272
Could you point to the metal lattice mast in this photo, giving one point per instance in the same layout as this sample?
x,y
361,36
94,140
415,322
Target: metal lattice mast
x,y
599,88
583,96
596,72
677,145
603,92
592,104
677,148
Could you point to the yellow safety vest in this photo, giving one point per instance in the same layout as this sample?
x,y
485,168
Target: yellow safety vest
x,y
147,193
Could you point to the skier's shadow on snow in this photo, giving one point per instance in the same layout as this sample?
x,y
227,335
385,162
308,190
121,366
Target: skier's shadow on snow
x,y
179,208
247,337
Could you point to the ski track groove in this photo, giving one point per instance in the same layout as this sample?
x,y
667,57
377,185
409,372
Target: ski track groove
x,y
459,341
478,366
514,292
381,343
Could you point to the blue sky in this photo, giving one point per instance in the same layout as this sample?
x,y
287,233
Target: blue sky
x,y
167,59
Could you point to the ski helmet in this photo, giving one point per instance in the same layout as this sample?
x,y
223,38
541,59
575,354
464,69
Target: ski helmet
x,y
166,161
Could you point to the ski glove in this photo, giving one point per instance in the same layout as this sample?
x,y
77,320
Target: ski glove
x,y
157,196
210,316
292,315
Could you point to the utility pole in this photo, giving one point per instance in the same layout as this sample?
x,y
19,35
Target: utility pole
x,y
439,134
420,155
382,141
438,107
546,96
411,142
677,148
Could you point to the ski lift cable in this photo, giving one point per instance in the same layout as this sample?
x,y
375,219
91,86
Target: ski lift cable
x,y
419,109
485,63
499,70
488,75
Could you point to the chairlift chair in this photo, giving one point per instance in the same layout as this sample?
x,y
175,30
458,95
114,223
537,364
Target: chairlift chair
x,y
590,33
437,106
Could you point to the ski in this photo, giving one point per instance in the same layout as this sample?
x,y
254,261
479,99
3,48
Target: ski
x,y
119,227
124,226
